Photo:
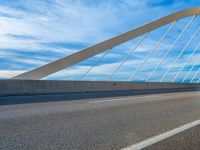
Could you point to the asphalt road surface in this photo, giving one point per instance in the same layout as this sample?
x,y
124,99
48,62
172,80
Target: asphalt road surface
x,y
104,123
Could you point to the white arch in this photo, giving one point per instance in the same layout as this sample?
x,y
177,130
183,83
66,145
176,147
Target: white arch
x,y
86,53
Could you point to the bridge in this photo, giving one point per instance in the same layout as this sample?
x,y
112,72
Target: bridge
x,y
152,105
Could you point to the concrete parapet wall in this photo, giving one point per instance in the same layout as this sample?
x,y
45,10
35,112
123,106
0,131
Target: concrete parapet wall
x,y
36,87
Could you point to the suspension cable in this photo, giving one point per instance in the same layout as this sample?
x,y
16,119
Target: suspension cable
x,y
176,59
151,51
169,49
195,75
198,80
173,46
98,60
177,74
197,60
129,54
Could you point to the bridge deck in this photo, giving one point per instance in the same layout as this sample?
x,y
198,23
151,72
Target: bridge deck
x,y
106,123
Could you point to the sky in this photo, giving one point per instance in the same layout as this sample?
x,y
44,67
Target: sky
x,y
36,32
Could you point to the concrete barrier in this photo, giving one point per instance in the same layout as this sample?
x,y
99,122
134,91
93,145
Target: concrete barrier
x,y
38,87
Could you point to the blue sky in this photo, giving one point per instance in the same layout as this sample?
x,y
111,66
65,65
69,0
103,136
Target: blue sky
x,y
35,32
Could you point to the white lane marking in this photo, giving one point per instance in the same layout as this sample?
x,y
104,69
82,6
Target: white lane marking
x,y
162,136
124,98
183,94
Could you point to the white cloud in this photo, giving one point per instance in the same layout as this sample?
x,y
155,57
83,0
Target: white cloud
x,y
75,21
9,73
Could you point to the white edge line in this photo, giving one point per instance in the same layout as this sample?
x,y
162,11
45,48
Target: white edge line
x,y
163,136
117,99
132,98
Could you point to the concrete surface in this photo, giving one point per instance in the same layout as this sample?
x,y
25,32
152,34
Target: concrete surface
x,y
30,87
100,123
40,98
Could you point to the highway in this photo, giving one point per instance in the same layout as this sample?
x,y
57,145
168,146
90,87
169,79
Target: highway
x,y
152,121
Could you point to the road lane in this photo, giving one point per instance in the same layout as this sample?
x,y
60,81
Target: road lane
x,y
108,123
187,140
163,136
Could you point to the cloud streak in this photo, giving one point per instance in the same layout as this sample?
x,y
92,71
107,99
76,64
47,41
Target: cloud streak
x,y
36,32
